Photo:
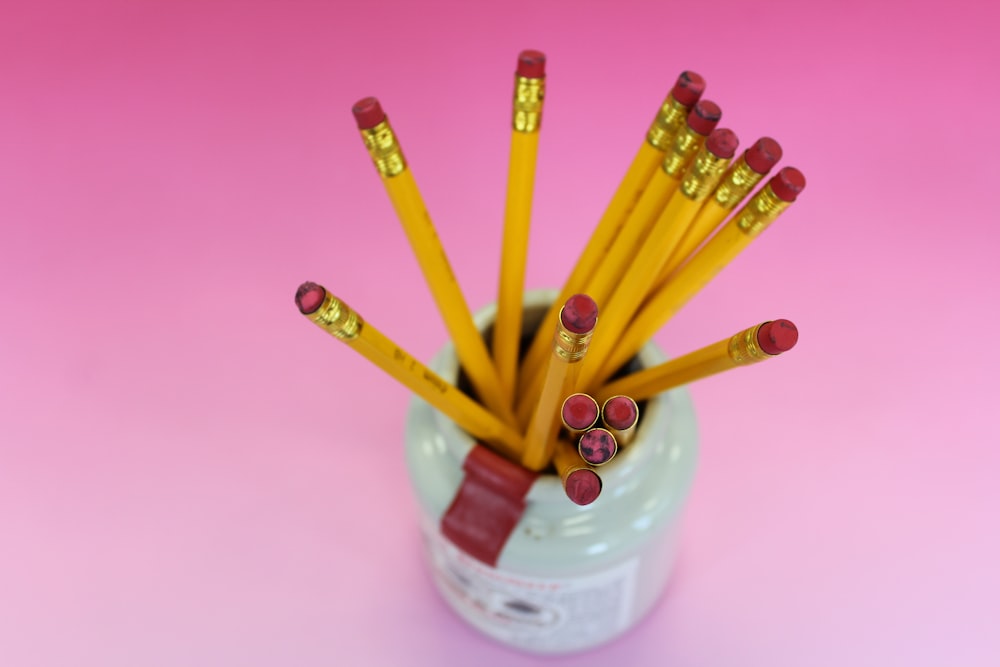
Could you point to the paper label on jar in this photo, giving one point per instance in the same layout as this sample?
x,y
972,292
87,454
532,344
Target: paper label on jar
x,y
543,614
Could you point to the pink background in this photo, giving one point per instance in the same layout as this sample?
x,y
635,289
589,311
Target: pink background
x,y
190,474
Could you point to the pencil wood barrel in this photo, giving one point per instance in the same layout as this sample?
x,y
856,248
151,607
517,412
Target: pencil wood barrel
x,y
568,577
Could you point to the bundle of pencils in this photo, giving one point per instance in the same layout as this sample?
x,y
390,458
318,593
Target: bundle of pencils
x,y
686,207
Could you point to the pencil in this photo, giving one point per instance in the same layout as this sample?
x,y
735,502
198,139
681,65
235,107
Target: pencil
x,y
659,191
741,177
529,95
698,183
753,218
581,482
631,288
577,319
753,345
700,122
579,412
384,148
618,261
339,320
620,415
670,117
597,446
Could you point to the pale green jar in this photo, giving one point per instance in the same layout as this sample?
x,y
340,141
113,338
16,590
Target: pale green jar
x,y
569,578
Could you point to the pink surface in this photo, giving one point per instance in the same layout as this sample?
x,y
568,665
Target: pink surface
x,y
183,457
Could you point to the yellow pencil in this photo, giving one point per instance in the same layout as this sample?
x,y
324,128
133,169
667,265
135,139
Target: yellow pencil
x,y
620,415
579,479
579,413
752,219
339,320
669,119
758,343
633,234
741,177
597,446
529,95
659,191
689,138
577,319
384,148
633,286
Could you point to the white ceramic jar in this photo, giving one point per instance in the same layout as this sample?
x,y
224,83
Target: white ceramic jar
x,y
569,577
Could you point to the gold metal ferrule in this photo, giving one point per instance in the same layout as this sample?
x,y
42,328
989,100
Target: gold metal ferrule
x,y
686,145
744,349
762,209
669,119
736,184
384,148
570,347
337,318
529,94
704,174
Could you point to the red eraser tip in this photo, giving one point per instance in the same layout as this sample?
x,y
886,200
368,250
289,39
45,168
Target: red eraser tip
x,y
777,336
620,412
704,117
763,155
722,143
688,88
597,446
309,297
788,183
531,64
579,315
583,486
368,113
580,411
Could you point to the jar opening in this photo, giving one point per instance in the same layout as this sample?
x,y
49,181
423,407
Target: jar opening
x,y
536,305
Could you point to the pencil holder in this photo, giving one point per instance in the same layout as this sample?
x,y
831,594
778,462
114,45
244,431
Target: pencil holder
x,y
560,577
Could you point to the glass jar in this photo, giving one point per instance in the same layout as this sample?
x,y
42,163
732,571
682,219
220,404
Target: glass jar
x,y
568,577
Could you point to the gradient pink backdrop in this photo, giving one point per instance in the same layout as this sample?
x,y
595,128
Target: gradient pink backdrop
x,y
180,476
